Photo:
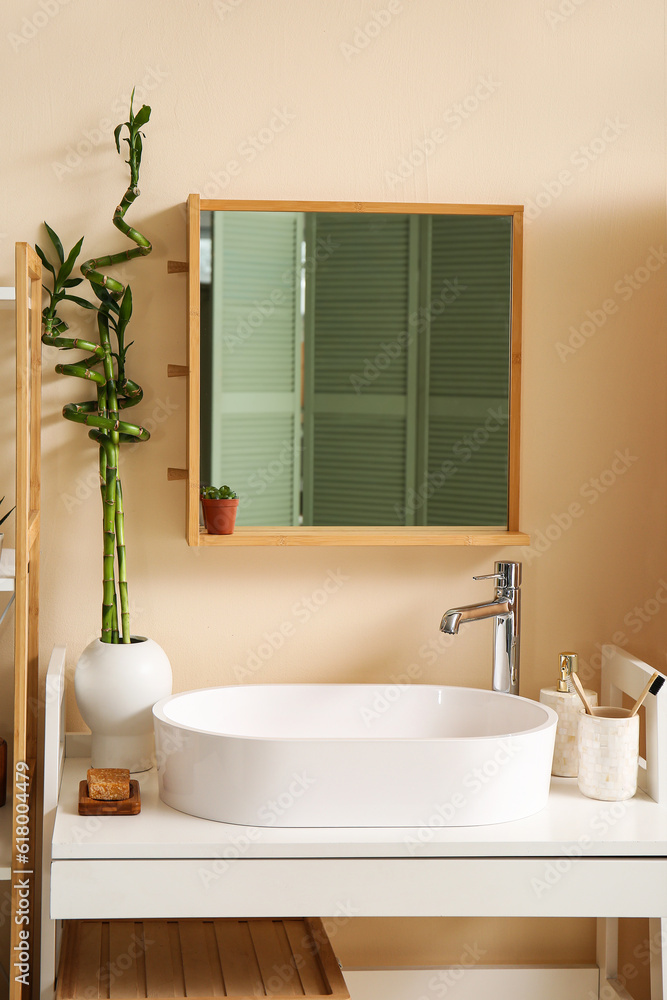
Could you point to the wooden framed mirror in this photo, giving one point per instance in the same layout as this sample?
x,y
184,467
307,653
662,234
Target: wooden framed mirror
x,y
354,371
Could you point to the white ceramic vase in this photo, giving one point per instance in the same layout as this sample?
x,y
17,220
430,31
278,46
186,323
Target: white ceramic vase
x,y
116,686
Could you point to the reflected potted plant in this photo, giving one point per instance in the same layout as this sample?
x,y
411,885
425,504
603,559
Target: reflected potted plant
x,y
119,676
2,521
219,505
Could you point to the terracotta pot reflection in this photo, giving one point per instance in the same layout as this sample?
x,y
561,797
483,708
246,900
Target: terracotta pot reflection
x,y
219,516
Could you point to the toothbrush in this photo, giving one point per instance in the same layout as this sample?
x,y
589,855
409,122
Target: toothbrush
x,y
653,686
580,691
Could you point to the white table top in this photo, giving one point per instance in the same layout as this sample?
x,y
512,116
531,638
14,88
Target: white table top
x,y
571,825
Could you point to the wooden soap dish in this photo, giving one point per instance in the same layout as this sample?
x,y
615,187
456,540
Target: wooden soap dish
x,y
109,807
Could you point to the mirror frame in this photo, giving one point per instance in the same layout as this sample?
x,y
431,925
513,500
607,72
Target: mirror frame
x,y
336,535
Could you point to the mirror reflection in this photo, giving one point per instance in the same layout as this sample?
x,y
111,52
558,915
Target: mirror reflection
x,y
355,368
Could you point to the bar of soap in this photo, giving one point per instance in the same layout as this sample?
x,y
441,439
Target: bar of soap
x,y
108,783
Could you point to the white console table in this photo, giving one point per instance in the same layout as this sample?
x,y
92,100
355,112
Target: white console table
x,y
577,858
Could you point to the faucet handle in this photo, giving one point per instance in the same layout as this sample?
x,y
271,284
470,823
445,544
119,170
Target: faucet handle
x,y
508,573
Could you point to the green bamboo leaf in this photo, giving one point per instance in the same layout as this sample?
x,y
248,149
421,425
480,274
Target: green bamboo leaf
x,y
72,282
104,296
66,269
116,135
55,239
142,116
2,520
84,303
125,310
74,252
47,264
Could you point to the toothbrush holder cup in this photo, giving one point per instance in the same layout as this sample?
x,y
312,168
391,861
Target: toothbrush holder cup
x,y
608,742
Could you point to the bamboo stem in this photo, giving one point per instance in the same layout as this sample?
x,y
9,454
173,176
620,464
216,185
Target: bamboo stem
x,y
122,569
103,482
109,506
114,391
114,632
109,537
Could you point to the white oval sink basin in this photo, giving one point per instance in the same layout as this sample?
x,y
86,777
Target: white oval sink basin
x,y
342,755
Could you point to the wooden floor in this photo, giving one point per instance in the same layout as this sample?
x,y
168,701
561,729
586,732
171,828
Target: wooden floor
x,y
123,959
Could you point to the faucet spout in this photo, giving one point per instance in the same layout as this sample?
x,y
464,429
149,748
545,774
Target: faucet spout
x,y
451,621
505,610
472,613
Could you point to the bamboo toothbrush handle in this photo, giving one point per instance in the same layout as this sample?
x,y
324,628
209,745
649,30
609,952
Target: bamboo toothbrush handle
x,y
580,691
637,705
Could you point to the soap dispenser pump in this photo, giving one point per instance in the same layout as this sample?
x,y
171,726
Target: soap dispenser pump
x,y
566,703
568,665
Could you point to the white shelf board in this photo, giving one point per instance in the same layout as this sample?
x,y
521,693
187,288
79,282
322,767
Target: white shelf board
x,y
571,825
7,569
468,982
8,297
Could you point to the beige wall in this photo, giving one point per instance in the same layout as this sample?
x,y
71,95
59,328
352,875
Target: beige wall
x,y
518,92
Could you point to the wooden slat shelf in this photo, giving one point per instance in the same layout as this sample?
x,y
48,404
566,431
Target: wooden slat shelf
x,y
164,959
364,535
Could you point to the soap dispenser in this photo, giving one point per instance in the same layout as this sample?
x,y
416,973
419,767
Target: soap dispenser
x,y
566,703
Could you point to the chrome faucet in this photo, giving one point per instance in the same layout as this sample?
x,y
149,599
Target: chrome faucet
x,y
505,609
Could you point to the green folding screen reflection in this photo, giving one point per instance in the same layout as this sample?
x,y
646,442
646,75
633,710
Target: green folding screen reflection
x,y
355,368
